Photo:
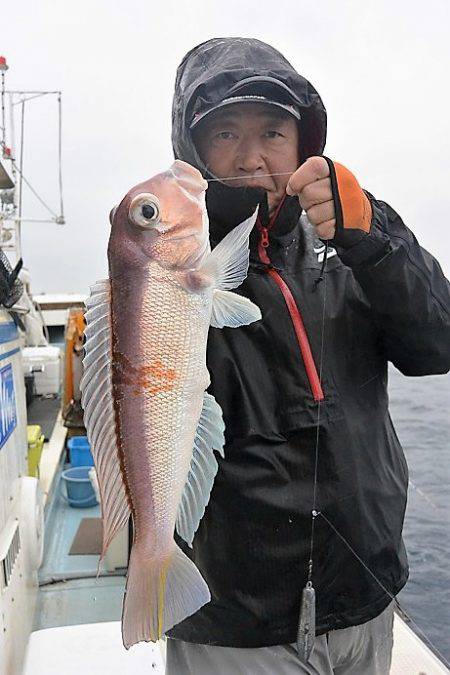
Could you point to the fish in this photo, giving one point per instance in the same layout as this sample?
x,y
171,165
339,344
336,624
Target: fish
x,y
153,427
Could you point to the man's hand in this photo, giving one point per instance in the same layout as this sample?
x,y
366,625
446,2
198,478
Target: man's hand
x,y
333,200
312,184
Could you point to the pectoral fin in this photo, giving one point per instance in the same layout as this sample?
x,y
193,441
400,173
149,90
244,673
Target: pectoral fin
x,y
227,264
232,310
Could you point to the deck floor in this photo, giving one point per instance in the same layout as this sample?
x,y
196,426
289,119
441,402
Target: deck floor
x,y
74,601
44,411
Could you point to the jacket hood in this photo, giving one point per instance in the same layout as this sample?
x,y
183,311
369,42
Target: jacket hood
x,y
204,78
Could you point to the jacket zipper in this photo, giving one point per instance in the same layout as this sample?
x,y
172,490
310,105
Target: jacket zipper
x,y
294,312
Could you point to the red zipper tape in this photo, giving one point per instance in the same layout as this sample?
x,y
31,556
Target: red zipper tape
x,y
296,317
302,336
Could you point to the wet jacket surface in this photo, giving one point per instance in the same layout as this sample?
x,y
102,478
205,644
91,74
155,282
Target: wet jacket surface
x,y
384,299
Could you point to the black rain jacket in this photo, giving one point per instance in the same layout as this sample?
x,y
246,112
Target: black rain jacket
x,y
385,299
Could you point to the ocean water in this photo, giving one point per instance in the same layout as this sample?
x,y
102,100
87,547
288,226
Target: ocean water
x,y
420,409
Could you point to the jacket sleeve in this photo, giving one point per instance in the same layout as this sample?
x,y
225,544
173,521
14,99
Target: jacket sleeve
x,y
408,292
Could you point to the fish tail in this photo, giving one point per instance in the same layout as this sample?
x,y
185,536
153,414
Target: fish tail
x,y
159,594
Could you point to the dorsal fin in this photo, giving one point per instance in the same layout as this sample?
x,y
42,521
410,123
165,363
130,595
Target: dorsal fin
x,y
99,415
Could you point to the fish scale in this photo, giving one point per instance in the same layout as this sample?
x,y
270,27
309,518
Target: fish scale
x,y
170,329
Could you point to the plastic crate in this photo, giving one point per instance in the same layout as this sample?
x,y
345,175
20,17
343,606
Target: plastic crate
x,y
80,451
45,364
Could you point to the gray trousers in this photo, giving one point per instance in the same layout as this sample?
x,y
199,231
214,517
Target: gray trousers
x,y
360,650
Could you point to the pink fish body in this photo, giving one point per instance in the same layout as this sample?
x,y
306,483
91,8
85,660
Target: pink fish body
x,y
153,427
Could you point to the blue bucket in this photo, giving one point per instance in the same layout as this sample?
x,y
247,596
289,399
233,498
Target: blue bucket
x,y
80,492
80,451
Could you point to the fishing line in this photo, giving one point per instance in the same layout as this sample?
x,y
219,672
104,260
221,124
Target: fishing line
x,y
305,641
316,461
305,644
427,639
307,613
259,175
306,631
314,514
306,628
425,496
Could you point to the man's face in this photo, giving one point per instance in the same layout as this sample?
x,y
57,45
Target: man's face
x,y
249,139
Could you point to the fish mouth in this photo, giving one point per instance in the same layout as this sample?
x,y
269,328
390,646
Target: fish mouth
x,y
188,177
180,237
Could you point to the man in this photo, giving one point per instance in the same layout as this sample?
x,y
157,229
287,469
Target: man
x,y
304,391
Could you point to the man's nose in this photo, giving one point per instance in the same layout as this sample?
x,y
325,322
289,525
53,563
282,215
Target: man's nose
x,y
250,157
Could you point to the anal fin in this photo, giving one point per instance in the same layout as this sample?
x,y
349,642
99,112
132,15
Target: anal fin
x,y
203,469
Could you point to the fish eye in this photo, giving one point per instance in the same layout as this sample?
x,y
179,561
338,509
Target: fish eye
x,y
149,211
145,211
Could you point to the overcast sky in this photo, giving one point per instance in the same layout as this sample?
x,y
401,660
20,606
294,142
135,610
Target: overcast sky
x,y
380,67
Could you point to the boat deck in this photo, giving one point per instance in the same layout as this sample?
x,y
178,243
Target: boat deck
x,y
77,621
69,591
44,411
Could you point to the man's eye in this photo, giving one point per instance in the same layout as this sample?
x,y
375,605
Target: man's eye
x,y
273,134
224,135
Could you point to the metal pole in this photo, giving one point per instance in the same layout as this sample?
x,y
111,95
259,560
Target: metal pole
x,y
20,92
61,204
32,220
17,246
3,110
12,145
19,215
3,130
30,98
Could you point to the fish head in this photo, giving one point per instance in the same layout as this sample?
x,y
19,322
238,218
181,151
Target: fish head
x,y
163,219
